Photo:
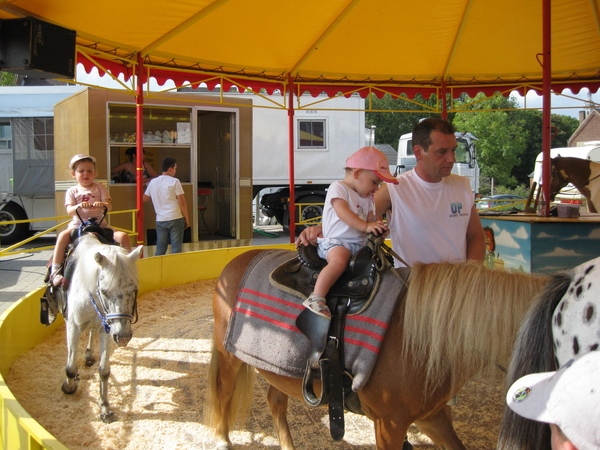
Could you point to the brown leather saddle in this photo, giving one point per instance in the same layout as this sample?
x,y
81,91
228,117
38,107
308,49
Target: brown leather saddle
x,y
351,294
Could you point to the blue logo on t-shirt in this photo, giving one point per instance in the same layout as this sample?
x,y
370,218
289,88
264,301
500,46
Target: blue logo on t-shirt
x,y
456,207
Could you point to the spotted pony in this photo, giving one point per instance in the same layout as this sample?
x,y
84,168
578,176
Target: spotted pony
x,y
563,323
575,323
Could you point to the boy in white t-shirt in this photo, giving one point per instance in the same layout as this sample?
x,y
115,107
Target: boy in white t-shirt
x,y
348,215
169,203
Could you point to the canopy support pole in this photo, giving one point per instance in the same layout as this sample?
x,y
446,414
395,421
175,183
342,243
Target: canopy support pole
x,y
546,105
443,94
292,202
139,142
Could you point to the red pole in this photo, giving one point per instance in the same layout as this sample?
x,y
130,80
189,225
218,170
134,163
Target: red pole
x,y
292,203
139,141
444,102
546,125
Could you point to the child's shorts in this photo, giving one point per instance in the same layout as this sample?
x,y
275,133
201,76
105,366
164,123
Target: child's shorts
x,y
326,244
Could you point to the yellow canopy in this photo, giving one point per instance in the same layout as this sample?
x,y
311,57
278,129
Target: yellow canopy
x,y
481,44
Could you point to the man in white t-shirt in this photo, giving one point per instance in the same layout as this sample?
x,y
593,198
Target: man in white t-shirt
x,y
431,213
169,203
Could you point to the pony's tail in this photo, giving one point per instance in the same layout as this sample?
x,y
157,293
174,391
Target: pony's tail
x,y
241,398
533,353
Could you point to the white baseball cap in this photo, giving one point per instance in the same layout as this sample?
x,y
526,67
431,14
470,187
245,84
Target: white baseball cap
x,y
75,159
568,398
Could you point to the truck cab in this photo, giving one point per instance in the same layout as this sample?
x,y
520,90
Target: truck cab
x,y
466,160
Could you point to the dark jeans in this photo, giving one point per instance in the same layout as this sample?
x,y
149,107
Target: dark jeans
x,y
170,231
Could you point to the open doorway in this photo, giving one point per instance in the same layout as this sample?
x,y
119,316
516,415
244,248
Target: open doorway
x,y
217,174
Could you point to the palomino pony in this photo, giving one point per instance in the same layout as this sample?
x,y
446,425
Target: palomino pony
x,y
453,321
102,296
563,323
581,173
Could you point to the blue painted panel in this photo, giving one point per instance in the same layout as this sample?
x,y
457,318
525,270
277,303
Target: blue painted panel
x,y
540,247
508,244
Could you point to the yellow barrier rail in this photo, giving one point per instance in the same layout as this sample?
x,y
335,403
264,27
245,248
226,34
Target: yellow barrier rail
x,y
8,251
20,331
316,219
502,203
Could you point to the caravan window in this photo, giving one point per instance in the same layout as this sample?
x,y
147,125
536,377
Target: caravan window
x,y
311,133
5,136
33,138
43,134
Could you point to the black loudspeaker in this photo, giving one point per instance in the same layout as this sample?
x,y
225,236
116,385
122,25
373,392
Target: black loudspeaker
x,y
37,49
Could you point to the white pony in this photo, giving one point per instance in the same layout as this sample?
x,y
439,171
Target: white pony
x,y
102,296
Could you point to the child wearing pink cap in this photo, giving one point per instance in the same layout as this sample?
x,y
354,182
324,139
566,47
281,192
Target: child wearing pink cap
x,y
348,215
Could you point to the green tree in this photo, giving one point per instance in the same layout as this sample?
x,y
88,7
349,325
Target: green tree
x,y
565,126
7,79
502,139
391,124
563,129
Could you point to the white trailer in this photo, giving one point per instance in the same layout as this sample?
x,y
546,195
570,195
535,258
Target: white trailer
x,y
323,141
27,157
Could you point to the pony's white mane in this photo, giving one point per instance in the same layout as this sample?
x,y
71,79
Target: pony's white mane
x,y
86,267
460,317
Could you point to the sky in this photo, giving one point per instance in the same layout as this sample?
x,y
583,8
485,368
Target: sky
x,y
566,104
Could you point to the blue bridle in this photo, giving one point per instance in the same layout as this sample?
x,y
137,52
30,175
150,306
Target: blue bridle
x,y
106,317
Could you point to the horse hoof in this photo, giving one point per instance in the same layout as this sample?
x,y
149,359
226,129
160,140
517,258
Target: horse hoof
x,y
89,362
108,417
69,389
223,446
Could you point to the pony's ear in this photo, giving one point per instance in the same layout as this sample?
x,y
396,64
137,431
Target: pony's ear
x,y
135,254
99,257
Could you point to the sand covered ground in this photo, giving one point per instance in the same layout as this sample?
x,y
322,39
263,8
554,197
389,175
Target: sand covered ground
x,y
157,389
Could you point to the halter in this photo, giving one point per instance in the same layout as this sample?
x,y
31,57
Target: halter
x,y
106,317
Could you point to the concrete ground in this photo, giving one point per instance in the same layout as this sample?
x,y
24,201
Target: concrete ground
x,y
24,272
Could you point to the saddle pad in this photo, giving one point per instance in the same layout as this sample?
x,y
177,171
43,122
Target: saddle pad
x,y
262,331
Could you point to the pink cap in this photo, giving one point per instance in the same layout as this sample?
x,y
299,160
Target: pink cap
x,y
369,158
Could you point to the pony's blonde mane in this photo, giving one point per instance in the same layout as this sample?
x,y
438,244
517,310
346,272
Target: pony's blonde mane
x,y
461,316
86,269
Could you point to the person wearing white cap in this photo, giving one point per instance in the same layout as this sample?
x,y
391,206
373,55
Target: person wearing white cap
x,y
91,198
568,400
348,215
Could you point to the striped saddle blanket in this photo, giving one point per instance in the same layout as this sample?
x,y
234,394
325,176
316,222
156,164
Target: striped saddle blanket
x,y
262,331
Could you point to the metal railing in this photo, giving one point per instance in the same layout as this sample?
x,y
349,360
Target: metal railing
x,y
501,203
311,221
9,250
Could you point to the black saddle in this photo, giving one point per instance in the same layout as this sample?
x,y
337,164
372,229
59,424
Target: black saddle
x,y
104,234
359,282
